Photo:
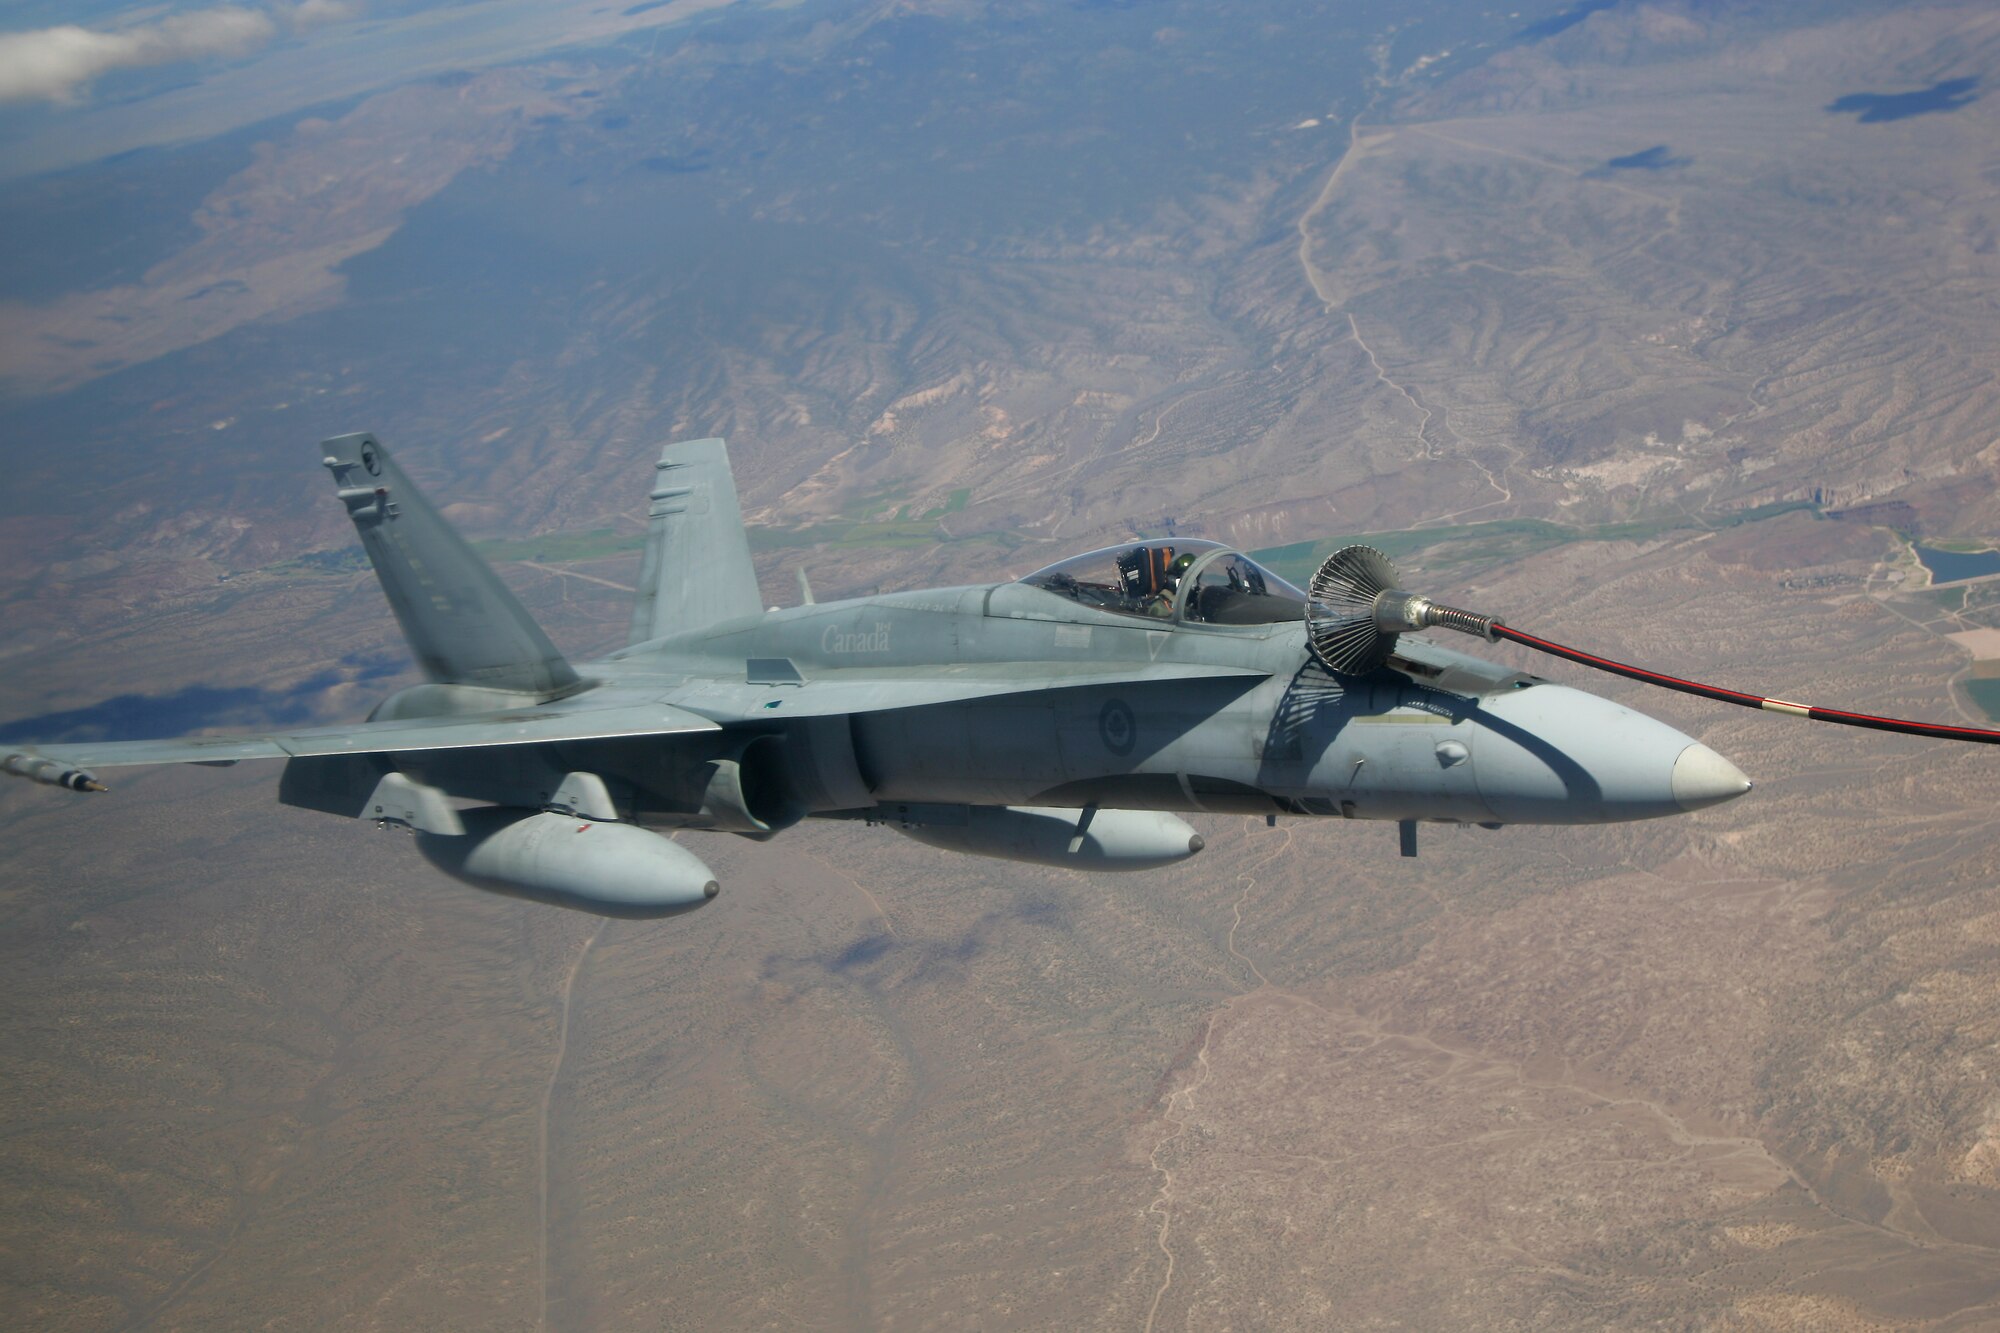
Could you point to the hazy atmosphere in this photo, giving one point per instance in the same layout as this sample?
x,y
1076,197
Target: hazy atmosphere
x,y
1666,329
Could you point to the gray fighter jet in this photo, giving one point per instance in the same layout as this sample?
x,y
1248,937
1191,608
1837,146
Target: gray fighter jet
x,y
1058,719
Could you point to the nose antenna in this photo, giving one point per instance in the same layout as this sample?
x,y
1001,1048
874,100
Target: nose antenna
x,y
1355,612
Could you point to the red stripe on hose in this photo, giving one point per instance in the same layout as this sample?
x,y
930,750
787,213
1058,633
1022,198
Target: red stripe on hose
x,y
1977,735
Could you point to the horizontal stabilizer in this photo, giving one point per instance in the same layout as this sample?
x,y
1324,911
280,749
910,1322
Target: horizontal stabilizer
x,y
525,726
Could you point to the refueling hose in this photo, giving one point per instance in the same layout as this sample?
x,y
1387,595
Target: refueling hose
x,y
1356,609
1979,735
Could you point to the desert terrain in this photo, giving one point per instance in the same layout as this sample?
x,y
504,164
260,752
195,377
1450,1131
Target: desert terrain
x,y
1630,323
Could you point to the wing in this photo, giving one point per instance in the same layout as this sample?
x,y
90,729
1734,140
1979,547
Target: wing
x,y
525,726
874,691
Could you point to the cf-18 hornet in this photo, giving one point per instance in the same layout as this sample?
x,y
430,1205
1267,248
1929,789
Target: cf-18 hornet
x,y
1066,718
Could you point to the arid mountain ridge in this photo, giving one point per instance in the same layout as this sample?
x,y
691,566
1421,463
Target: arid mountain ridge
x,y
1736,1070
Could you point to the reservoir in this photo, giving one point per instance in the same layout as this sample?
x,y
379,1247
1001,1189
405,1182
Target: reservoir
x,y
1950,566
1986,694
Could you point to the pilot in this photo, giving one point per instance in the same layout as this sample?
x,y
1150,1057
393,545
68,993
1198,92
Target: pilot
x,y
1161,603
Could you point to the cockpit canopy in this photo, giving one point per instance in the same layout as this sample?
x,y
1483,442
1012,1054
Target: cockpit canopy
x,y
1177,578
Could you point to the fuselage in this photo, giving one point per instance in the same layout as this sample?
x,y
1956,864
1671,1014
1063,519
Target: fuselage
x,y
1061,719
1437,735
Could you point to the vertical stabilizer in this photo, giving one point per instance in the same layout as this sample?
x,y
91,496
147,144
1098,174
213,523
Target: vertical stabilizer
x,y
463,625
697,570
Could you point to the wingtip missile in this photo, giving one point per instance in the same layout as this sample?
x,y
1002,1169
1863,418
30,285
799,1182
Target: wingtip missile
x,y
50,772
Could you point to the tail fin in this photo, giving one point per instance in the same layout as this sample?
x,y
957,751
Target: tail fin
x,y
697,570
462,623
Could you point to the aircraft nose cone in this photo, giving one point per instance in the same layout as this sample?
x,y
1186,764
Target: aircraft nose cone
x,y
1554,755
1703,778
